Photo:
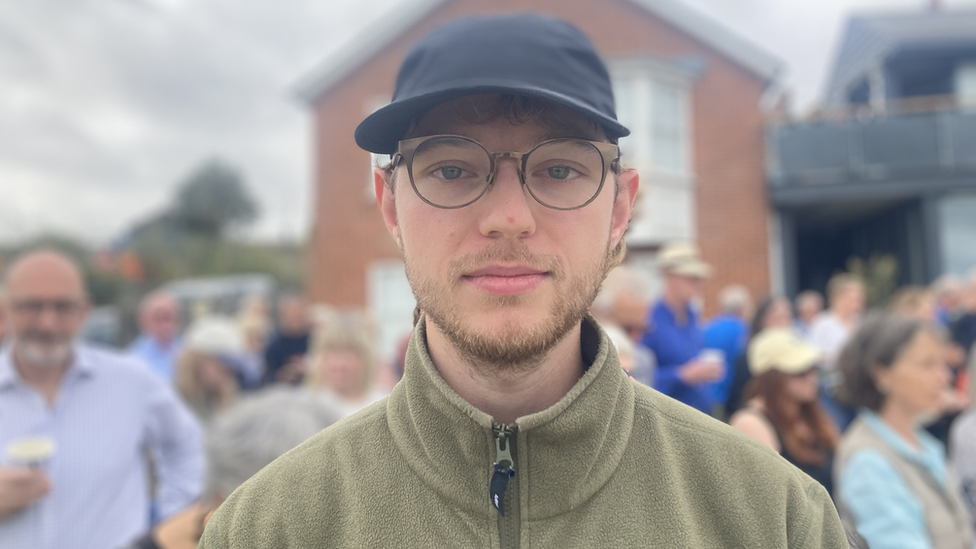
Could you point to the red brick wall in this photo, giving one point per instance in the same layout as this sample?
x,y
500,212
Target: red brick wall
x,y
348,232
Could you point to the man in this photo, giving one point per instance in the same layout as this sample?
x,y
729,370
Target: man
x,y
96,410
158,344
729,332
513,424
624,301
809,305
284,359
674,334
831,330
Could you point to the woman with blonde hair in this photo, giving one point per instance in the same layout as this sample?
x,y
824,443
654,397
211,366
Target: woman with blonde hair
x,y
343,363
209,367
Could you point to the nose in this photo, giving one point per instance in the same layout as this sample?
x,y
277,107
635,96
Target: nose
x,y
506,207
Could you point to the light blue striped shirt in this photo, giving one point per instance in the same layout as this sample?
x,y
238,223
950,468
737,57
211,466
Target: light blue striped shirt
x,y
108,409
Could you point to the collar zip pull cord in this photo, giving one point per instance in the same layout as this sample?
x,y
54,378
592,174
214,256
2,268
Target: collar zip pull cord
x,y
504,466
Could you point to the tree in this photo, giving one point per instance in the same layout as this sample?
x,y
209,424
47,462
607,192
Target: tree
x,y
213,199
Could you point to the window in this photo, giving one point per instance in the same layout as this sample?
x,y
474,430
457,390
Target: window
x,y
655,108
391,304
652,101
369,193
957,231
965,85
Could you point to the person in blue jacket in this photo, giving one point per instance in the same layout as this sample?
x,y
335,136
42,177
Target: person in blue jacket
x,y
674,333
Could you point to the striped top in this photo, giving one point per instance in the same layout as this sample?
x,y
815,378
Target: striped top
x,y
108,411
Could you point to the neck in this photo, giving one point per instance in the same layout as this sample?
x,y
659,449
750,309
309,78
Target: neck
x,y
900,420
46,378
511,394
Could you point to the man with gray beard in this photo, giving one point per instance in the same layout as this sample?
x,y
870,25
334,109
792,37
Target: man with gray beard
x,y
75,421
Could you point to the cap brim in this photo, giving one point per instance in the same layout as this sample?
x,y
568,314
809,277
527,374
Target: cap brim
x,y
381,131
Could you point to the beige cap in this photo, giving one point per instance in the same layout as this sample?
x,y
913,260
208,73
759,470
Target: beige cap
x,y
781,349
684,259
214,335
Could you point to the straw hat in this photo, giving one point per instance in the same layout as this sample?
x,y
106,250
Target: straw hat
x,y
684,259
215,335
781,349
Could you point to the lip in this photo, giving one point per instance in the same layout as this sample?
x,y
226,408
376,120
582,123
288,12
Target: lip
x,y
506,279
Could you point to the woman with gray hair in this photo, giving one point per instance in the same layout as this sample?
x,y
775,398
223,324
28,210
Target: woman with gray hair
x,y
892,481
242,441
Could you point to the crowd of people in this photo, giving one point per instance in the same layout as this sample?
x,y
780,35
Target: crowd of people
x,y
876,406
110,445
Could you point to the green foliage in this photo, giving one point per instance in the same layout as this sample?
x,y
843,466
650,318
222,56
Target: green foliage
x,y
211,200
880,276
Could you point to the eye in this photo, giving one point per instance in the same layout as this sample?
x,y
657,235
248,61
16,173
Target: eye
x,y
450,172
560,172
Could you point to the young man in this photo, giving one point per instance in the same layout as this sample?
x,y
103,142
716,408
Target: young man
x,y
514,425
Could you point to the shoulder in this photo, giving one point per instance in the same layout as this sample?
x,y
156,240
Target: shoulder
x,y
754,425
698,439
719,468
313,482
117,367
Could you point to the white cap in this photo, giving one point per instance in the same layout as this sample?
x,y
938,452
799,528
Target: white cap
x,y
214,335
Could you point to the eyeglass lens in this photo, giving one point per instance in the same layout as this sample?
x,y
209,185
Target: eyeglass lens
x,y
452,171
36,306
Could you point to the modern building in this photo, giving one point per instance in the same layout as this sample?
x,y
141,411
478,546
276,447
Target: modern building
x,y
887,167
690,91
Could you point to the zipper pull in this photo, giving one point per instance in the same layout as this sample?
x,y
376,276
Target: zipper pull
x,y
504,467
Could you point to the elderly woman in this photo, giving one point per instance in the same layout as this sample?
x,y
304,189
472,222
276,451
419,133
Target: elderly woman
x,y
891,478
782,409
240,443
343,363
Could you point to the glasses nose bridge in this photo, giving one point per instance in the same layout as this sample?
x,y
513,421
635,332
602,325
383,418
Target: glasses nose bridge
x,y
518,157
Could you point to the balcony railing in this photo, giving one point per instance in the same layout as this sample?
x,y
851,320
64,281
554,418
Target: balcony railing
x,y
875,147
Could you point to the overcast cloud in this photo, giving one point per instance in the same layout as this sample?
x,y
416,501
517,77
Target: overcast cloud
x,y
105,105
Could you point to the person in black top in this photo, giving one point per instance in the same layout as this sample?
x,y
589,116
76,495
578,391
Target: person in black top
x,y
284,359
772,312
782,407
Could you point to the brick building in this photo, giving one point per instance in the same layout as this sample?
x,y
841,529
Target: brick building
x,y
689,90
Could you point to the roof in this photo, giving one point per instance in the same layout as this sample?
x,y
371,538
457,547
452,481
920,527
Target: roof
x,y
871,38
364,46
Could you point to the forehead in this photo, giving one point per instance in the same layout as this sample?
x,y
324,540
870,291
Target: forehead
x,y
534,118
45,277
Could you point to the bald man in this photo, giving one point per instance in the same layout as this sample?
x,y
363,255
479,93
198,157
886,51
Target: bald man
x,y
158,344
75,422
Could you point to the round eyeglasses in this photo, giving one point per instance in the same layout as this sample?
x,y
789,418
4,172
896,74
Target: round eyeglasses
x,y
451,171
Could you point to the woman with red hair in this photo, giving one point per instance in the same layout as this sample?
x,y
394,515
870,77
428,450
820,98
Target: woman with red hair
x,y
783,409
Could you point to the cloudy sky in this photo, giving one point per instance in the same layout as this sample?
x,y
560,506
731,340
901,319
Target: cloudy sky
x,y
105,105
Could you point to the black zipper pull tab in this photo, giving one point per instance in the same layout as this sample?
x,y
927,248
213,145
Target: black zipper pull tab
x,y
504,467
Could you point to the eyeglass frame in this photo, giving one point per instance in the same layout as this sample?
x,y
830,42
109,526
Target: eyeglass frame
x,y
407,148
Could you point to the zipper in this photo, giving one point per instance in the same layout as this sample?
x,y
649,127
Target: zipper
x,y
503,488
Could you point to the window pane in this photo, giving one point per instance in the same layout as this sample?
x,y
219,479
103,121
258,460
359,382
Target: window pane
x,y
628,113
670,135
958,232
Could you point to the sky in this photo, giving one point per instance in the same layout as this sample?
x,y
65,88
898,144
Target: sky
x,y
107,105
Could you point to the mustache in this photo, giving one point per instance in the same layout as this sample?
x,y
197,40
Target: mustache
x,y
505,253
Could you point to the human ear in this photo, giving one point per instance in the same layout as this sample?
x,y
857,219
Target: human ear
x,y
386,201
623,205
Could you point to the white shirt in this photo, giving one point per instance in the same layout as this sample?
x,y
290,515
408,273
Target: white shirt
x,y
829,334
108,409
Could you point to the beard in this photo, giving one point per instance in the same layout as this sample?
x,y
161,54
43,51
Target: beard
x,y
512,347
43,349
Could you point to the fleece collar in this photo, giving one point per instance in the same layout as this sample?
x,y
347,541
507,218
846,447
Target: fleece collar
x,y
565,453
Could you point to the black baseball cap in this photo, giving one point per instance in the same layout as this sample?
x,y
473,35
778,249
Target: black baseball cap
x,y
516,53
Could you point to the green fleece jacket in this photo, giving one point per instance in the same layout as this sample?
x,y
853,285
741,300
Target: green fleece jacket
x,y
612,464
